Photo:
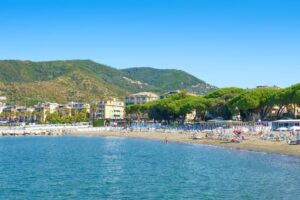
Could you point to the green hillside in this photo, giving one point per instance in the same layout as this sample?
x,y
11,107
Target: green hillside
x,y
169,79
84,80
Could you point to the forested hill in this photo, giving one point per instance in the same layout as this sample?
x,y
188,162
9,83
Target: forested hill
x,y
168,79
85,80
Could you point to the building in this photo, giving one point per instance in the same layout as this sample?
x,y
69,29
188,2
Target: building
x,y
289,111
140,98
190,117
110,109
2,98
64,109
169,93
80,106
267,86
10,112
2,106
46,108
285,123
175,92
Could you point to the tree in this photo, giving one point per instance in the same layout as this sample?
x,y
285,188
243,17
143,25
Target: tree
x,y
281,99
198,104
256,101
167,109
293,93
218,101
176,107
224,93
94,109
135,109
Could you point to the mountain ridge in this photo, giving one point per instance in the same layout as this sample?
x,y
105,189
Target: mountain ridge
x,y
86,80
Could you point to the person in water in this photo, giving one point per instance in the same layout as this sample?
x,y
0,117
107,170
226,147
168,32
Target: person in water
x,y
166,139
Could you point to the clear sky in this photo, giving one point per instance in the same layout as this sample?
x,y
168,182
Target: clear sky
x,y
240,43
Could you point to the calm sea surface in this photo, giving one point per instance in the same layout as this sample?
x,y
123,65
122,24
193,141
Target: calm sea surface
x,y
119,168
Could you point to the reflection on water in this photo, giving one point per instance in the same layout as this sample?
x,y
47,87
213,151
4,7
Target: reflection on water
x,y
121,168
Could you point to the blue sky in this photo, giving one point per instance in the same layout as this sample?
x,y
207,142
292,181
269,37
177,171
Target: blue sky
x,y
240,43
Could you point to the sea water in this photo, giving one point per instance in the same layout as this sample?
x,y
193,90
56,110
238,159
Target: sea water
x,y
121,168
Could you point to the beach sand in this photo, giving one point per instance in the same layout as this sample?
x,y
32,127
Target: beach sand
x,y
252,143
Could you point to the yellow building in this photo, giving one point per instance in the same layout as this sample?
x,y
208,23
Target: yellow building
x,y
46,108
110,109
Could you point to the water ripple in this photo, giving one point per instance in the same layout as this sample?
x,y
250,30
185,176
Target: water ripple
x,y
116,168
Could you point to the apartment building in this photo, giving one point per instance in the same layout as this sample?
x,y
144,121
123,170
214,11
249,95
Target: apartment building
x,y
140,98
112,109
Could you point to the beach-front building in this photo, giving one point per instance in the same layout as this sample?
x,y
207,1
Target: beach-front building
x,y
64,109
289,111
9,112
16,113
190,117
25,114
111,109
2,98
80,106
286,123
140,98
2,106
46,108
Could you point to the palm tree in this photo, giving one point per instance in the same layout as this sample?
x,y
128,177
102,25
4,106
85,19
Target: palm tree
x,y
94,109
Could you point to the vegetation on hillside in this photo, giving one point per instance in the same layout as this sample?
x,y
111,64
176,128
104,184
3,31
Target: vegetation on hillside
x,y
169,79
27,82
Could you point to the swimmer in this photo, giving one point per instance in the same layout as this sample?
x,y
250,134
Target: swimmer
x,y
166,139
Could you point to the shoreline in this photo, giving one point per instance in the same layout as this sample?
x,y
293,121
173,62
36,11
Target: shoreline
x,y
251,144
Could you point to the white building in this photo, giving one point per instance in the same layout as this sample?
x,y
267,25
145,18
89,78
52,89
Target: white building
x,y
2,98
140,98
47,107
80,106
2,104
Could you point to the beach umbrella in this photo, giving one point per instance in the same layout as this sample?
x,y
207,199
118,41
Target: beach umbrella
x,y
237,131
294,128
282,129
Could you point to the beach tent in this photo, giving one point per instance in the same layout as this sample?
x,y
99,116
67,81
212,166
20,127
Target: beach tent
x,y
282,129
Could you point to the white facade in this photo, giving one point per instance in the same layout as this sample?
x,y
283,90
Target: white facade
x,y
80,106
141,98
2,106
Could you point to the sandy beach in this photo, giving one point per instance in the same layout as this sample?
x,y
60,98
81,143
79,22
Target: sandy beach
x,y
251,143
